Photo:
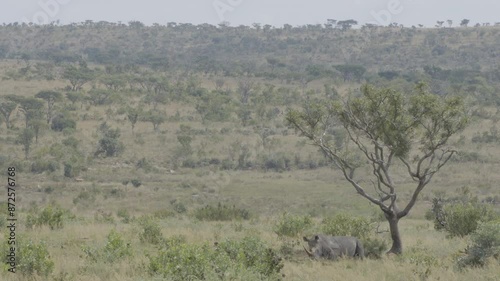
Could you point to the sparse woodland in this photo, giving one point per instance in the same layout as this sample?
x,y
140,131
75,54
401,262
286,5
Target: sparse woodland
x,y
200,152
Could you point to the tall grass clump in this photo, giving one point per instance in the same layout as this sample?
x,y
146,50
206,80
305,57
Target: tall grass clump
x,y
221,213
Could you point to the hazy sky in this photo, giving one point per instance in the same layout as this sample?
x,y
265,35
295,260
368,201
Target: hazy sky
x,y
236,12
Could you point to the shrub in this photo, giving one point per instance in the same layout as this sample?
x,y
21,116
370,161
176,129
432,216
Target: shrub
x,y
221,213
374,247
291,226
115,249
151,231
179,207
136,182
462,219
61,122
248,259
109,144
52,215
346,225
40,166
485,245
33,258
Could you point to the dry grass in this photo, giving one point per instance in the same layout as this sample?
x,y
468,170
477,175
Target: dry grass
x,y
319,192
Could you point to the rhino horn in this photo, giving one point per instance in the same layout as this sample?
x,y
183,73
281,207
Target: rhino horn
x,y
308,252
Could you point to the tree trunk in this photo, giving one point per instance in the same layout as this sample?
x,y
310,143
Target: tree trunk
x,y
397,246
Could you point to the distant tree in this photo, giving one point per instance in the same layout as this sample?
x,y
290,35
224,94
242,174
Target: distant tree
x,y
51,97
73,97
100,96
450,23
464,22
6,109
78,76
387,128
156,118
133,115
31,108
25,138
440,23
38,127
245,89
109,144
346,24
273,62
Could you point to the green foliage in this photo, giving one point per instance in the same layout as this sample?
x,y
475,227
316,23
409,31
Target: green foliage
x,y
25,138
214,106
374,247
291,226
462,219
485,245
221,213
33,258
61,122
115,249
248,258
136,182
52,216
346,225
41,165
151,231
109,144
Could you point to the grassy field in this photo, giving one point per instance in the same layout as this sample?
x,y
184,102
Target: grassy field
x,y
97,201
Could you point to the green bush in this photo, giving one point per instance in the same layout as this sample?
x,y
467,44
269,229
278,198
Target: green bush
x,y
221,213
485,245
151,231
462,219
61,122
136,182
33,258
248,259
346,225
115,249
109,144
52,215
40,166
291,226
374,247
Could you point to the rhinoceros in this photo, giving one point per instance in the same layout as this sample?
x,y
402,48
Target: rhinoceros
x,y
333,247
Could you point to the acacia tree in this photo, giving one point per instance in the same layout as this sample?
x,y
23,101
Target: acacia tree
x,y
6,109
388,129
51,97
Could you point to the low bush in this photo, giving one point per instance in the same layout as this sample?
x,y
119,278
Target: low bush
x,y
221,213
246,259
34,258
485,245
291,226
115,249
52,216
151,231
460,218
346,225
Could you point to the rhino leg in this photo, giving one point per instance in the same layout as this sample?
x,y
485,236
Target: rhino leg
x,y
360,251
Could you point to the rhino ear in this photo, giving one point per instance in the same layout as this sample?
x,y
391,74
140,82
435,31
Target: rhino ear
x,y
316,237
305,239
